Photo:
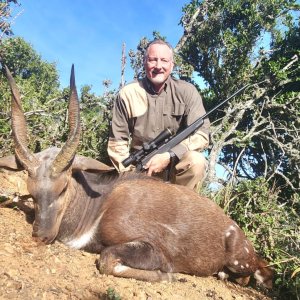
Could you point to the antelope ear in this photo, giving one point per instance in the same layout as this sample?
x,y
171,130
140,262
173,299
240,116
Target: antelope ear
x,y
10,162
89,164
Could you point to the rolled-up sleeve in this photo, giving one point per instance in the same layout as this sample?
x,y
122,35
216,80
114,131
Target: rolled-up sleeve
x,y
119,136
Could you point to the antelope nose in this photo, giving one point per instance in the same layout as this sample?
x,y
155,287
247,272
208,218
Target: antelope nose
x,y
40,239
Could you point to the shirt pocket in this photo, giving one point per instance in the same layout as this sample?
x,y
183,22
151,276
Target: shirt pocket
x,y
173,116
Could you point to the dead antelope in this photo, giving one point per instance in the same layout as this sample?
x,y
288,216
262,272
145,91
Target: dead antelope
x,y
143,228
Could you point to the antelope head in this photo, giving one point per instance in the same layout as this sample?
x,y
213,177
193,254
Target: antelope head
x,y
49,172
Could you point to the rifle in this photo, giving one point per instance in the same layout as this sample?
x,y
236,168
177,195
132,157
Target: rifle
x,y
165,141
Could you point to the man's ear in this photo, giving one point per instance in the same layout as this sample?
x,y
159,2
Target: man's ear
x,y
173,64
10,162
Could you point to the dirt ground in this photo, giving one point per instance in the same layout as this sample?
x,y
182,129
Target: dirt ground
x,y
33,271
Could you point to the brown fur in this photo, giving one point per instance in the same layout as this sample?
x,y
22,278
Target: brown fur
x,y
142,228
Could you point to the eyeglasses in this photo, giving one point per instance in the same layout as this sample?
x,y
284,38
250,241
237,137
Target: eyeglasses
x,y
153,61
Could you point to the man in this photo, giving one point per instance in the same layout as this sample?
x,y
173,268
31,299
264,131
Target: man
x,y
146,107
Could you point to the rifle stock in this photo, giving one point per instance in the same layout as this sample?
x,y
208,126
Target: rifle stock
x,y
165,141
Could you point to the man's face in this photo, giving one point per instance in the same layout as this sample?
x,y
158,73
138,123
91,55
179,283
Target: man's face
x,y
158,64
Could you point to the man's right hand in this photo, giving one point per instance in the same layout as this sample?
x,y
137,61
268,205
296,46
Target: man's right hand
x,y
158,163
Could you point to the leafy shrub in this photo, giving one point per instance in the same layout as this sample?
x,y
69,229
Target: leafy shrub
x,y
112,294
95,120
273,225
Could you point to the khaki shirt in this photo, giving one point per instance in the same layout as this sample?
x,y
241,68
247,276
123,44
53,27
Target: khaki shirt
x,y
139,115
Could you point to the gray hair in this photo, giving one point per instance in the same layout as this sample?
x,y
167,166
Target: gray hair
x,y
159,42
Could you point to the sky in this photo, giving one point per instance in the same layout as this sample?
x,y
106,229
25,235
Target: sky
x,y
90,34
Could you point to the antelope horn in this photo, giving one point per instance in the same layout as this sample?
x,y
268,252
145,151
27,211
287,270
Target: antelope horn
x,y
19,127
65,157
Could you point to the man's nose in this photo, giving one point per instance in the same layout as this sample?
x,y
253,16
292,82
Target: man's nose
x,y
158,63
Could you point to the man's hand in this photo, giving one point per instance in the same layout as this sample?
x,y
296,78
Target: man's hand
x,y
157,163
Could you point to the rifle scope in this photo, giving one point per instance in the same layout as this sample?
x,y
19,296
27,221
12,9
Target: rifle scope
x,y
147,147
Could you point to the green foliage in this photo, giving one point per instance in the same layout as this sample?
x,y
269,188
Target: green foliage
x,y
272,224
45,106
259,134
281,106
225,37
112,294
6,16
40,77
257,139
95,120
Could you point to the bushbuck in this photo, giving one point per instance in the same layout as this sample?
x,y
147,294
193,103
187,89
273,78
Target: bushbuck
x,y
143,228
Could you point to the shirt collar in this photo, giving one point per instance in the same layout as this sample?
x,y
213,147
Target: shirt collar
x,y
147,83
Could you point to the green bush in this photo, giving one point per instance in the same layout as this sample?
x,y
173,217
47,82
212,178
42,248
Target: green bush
x,y
273,225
